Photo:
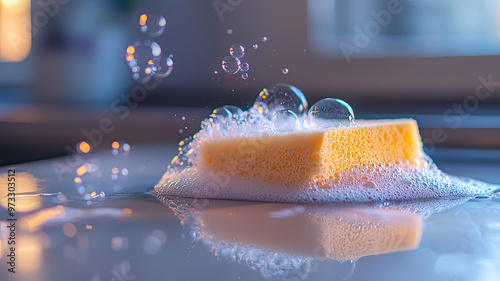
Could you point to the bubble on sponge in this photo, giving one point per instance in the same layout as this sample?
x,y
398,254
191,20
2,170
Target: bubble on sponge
x,y
242,156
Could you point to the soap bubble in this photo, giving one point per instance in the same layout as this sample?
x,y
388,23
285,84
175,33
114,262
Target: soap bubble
x,y
140,58
163,67
285,70
283,97
245,67
255,46
244,75
233,111
237,51
231,65
229,31
260,108
226,111
329,112
264,39
152,24
285,121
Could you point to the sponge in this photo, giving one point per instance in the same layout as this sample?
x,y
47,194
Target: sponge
x,y
313,156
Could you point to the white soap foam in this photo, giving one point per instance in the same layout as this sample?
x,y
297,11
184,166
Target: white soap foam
x,y
397,182
386,182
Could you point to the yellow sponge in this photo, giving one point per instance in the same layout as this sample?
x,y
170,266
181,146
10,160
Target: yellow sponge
x,y
315,155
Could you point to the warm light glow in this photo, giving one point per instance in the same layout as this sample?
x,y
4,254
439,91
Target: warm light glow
x,y
115,145
143,19
150,62
81,170
78,180
115,170
15,30
10,2
93,194
35,221
88,226
129,57
30,253
69,230
148,70
130,50
127,211
84,147
25,183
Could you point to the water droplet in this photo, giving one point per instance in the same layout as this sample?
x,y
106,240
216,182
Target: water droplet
x,y
140,58
237,51
264,39
305,50
284,121
330,112
244,75
245,67
152,24
181,131
285,70
283,97
231,65
163,67
255,46
229,31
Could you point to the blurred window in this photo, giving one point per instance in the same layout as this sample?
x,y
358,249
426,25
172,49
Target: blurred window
x,y
423,28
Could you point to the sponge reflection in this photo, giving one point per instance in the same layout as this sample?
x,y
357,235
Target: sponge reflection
x,y
254,234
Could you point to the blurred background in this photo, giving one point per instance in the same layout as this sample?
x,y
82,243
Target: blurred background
x,y
66,73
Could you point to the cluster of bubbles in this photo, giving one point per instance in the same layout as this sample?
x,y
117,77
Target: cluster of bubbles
x,y
90,178
144,57
279,109
232,64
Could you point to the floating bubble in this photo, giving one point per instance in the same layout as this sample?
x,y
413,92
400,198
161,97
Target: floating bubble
x,y
229,31
152,24
163,67
244,75
283,97
245,67
285,70
237,51
140,58
285,121
264,39
255,46
329,112
231,65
